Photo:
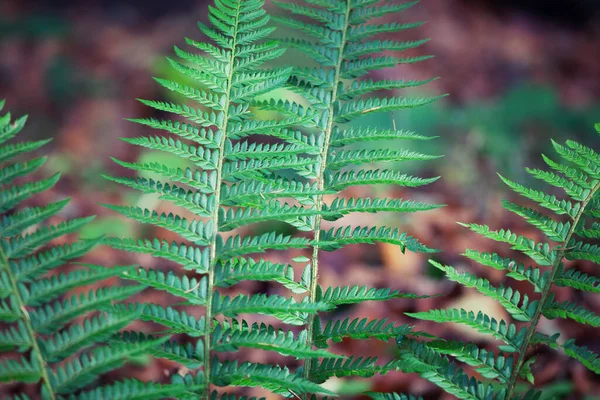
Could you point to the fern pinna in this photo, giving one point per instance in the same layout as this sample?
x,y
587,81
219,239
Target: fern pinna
x,y
232,182
40,340
567,239
344,47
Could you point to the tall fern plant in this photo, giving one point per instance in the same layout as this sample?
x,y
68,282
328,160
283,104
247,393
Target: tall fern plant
x,y
344,47
571,227
49,335
232,181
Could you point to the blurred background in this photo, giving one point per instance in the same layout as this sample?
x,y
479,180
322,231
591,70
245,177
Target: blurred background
x,y
518,72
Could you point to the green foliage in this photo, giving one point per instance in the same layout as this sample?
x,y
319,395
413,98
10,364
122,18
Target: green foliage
x,y
233,170
225,178
568,225
340,40
43,322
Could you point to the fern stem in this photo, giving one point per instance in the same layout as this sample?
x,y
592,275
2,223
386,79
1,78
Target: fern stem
x,y
215,214
314,269
35,348
544,297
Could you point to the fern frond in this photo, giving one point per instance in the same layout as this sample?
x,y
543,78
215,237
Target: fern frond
x,y
572,311
336,238
190,257
234,180
338,37
577,174
487,363
32,311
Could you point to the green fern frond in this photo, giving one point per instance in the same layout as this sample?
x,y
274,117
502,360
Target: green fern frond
x,y
230,179
578,175
286,309
36,295
342,45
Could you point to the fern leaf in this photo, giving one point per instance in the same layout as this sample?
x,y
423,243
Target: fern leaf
x,y
582,354
517,305
271,377
22,370
194,291
572,311
12,224
359,294
285,309
249,270
392,396
46,289
447,375
78,336
190,257
50,317
578,280
541,253
335,238
352,366
193,230
501,330
345,179
266,338
487,363
23,246
337,330
83,370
